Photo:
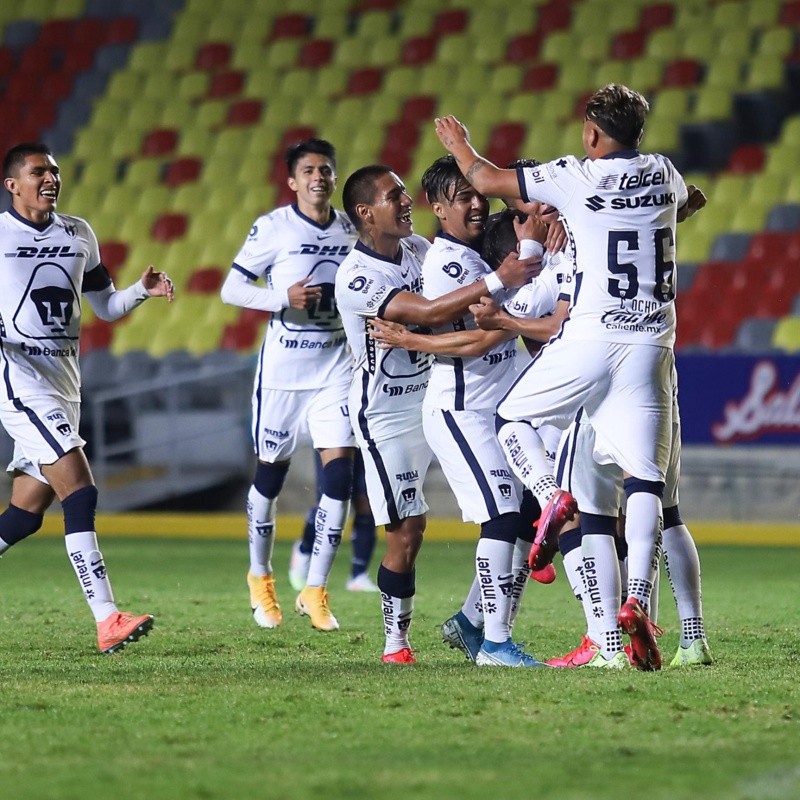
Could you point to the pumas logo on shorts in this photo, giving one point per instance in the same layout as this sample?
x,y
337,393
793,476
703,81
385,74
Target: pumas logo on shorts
x,y
409,495
505,490
64,428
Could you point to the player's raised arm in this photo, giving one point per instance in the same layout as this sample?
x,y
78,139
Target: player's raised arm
x,y
486,177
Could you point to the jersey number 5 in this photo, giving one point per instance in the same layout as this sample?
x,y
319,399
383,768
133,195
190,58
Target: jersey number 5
x,y
627,286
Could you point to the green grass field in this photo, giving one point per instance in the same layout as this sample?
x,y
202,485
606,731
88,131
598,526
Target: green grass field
x,y
209,706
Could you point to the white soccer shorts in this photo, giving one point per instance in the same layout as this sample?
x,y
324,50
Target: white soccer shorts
x,y
281,418
43,429
466,445
626,391
395,469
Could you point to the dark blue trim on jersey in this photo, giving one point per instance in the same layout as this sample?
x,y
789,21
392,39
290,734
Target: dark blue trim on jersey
x,y
382,309
388,495
310,221
362,248
257,415
473,463
568,452
40,426
96,279
622,154
454,240
6,372
458,370
244,271
41,226
523,189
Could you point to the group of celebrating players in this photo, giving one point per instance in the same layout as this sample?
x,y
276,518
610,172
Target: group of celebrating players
x,y
383,341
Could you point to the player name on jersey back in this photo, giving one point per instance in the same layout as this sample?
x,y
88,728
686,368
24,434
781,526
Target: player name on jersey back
x,y
620,214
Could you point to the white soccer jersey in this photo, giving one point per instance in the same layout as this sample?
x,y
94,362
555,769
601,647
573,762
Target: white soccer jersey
x,y
303,348
390,383
459,383
620,213
44,270
540,297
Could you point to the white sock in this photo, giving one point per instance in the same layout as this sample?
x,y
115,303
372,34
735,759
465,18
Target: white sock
x,y
642,532
260,531
328,524
603,587
525,453
397,613
493,567
683,570
3,546
87,561
472,608
573,567
521,572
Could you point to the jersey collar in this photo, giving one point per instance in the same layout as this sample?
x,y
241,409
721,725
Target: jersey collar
x,y
398,259
449,238
622,154
37,227
310,221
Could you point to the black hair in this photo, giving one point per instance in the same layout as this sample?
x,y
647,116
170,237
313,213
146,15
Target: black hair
x,y
522,163
619,112
440,181
359,189
15,157
296,151
500,237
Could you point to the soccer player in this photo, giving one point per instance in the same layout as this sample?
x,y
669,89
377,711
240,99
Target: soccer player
x,y
382,278
49,260
362,536
614,355
303,372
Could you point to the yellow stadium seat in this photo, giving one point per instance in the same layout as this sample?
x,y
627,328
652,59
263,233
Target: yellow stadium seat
x,y
223,29
402,81
123,85
191,86
781,157
179,55
790,132
380,110
732,186
763,13
384,52
663,137
646,74
775,42
297,82
416,22
672,103
331,80
472,79
736,42
767,188
786,335
577,77
436,78
374,24
152,200
621,17
589,17
765,72
572,138
699,43
543,141
489,49
177,113
118,199
351,52
143,172
791,193
81,200
694,243
664,44
712,103
100,171
505,79
146,56
560,47
726,72
282,53
750,217
729,15
614,72
691,16
552,106
593,48
330,23
195,141
211,113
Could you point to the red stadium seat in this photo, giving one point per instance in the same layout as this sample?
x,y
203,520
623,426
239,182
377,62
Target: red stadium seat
x,y
91,32
159,142
769,247
628,44
245,112
96,336
315,53
226,84
790,13
54,32
290,26
418,109
656,16
540,77
682,72
364,81
452,21
183,170
522,48
113,255
555,16
418,50
6,61
168,227
121,30
205,281
504,142
397,155
213,56
746,158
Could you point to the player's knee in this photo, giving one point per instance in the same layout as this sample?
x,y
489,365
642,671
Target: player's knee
x,y
337,478
17,524
79,510
504,528
269,478
634,485
397,584
672,517
570,540
598,525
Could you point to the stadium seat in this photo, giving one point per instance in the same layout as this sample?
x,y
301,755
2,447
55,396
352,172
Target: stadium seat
x,y
159,142
754,335
523,48
244,112
315,53
682,72
747,158
213,56
168,227
628,44
540,77
658,15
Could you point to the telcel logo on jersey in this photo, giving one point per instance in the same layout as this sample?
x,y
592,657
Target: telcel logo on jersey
x,y
656,178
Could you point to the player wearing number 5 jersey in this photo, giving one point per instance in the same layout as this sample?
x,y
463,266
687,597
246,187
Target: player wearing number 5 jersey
x,y
614,355
303,372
